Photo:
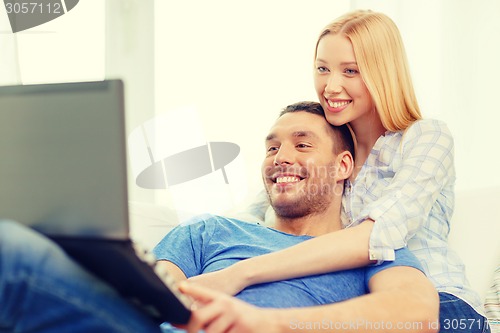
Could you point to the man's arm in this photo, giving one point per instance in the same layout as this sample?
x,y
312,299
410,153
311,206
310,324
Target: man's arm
x,y
172,269
401,299
180,251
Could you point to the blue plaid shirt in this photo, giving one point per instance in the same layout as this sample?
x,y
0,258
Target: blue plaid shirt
x,y
406,186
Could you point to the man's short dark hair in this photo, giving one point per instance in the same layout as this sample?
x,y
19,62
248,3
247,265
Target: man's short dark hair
x,y
342,135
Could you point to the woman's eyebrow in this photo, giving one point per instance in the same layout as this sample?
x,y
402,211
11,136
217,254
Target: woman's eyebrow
x,y
345,63
350,62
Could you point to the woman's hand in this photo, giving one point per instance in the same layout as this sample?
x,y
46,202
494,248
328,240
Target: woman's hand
x,y
229,280
216,312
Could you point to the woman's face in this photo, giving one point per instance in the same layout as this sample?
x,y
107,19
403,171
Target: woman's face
x,y
338,82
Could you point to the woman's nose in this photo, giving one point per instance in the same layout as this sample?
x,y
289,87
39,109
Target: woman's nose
x,y
333,84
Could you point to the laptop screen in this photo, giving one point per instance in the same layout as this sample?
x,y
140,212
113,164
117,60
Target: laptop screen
x,y
63,158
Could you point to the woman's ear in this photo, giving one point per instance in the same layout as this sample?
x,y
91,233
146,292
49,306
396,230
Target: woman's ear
x,y
345,164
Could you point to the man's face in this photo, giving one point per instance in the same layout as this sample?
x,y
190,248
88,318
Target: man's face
x,y
299,169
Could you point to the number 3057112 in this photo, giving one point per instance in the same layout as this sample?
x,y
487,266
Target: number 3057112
x,y
33,8
462,324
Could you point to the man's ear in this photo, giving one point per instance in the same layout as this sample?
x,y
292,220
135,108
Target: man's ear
x,y
345,164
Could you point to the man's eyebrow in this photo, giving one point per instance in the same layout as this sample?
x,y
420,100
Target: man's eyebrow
x,y
310,134
270,137
296,134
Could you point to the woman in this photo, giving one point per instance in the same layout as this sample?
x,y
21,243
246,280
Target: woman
x,y
401,192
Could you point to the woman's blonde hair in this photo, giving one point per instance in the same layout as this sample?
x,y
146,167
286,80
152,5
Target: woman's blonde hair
x,y
383,65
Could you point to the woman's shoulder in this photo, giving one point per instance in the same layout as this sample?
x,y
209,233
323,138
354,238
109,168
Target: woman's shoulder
x,y
426,128
428,125
427,133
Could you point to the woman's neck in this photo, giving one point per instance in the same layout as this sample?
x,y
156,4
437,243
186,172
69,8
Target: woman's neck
x,y
367,130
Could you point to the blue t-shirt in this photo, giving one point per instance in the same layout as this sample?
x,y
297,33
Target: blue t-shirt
x,y
209,243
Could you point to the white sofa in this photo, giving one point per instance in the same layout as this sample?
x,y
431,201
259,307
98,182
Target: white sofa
x,y
475,234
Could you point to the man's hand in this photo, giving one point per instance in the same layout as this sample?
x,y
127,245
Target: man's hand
x,y
227,280
216,312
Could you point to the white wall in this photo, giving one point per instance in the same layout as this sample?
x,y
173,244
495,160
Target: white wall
x,y
239,64
69,48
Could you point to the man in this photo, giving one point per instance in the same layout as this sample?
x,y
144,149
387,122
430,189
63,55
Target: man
x,y
307,161
42,290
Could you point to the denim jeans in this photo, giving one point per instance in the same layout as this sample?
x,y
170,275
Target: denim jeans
x,y
456,316
42,290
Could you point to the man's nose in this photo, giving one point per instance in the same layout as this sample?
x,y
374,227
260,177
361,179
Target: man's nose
x,y
284,156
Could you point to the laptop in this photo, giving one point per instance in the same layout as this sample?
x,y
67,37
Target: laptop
x,y
63,172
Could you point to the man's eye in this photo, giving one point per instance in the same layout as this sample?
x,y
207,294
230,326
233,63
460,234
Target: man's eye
x,y
303,145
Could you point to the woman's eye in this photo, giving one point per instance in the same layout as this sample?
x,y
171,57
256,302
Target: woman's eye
x,y
351,71
322,69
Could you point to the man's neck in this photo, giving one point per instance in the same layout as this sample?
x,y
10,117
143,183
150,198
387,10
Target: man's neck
x,y
313,224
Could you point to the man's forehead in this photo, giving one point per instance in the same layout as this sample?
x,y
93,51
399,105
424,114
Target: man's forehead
x,y
299,124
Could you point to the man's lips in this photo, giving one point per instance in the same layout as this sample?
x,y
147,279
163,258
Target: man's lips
x,y
287,176
287,179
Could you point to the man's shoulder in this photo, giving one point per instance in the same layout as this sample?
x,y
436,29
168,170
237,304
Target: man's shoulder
x,y
218,220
